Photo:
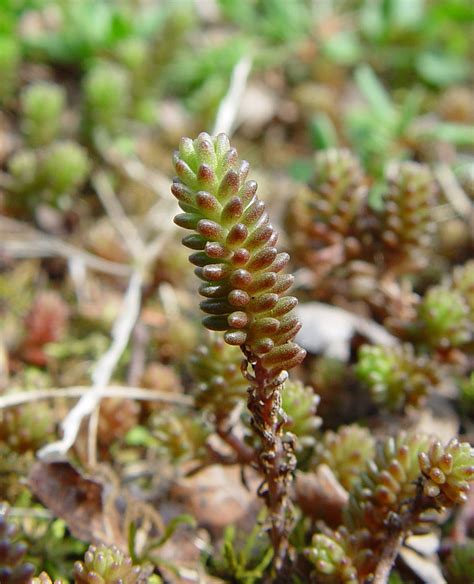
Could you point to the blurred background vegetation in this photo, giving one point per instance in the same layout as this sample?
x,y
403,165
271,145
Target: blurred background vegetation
x,y
94,97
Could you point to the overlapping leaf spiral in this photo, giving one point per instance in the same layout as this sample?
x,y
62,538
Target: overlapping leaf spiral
x,y
235,253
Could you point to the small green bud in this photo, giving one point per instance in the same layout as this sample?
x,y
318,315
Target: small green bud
x,y
395,376
63,167
23,167
444,318
106,90
42,105
300,403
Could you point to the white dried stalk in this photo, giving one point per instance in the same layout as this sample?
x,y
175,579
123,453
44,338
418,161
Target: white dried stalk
x,y
19,398
453,191
21,241
229,106
103,370
124,227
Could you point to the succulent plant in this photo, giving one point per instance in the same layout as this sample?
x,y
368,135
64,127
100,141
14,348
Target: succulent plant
x,y
447,470
42,106
325,214
330,559
45,322
220,386
410,477
26,427
236,257
63,167
58,169
388,484
179,437
12,568
396,377
235,254
106,91
346,452
107,565
23,167
299,402
407,224
444,320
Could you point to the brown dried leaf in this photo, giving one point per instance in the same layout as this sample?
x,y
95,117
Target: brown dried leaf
x,y
85,503
320,495
217,498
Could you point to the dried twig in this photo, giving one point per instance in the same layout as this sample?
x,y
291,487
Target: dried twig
x,y
454,192
103,370
124,227
21,241
229,106
11,400
134,169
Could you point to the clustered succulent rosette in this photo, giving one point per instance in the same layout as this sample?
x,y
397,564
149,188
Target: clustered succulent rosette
x,y
346,452
407,223
410,478
447,471
299,402
331,560
325,213
107,565
12,568
26,427
395,376
219,384
340,190
444,319
235,253
178,436
57,170
42,106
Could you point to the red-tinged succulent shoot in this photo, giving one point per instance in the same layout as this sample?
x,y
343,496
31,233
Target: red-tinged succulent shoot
x,y
235,253
448,471
407,219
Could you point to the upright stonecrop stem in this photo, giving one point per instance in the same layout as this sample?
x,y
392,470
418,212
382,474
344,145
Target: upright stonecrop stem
x,y
236,257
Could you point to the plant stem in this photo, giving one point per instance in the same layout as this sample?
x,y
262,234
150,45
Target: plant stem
x,y
276,458
245,454
388,558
